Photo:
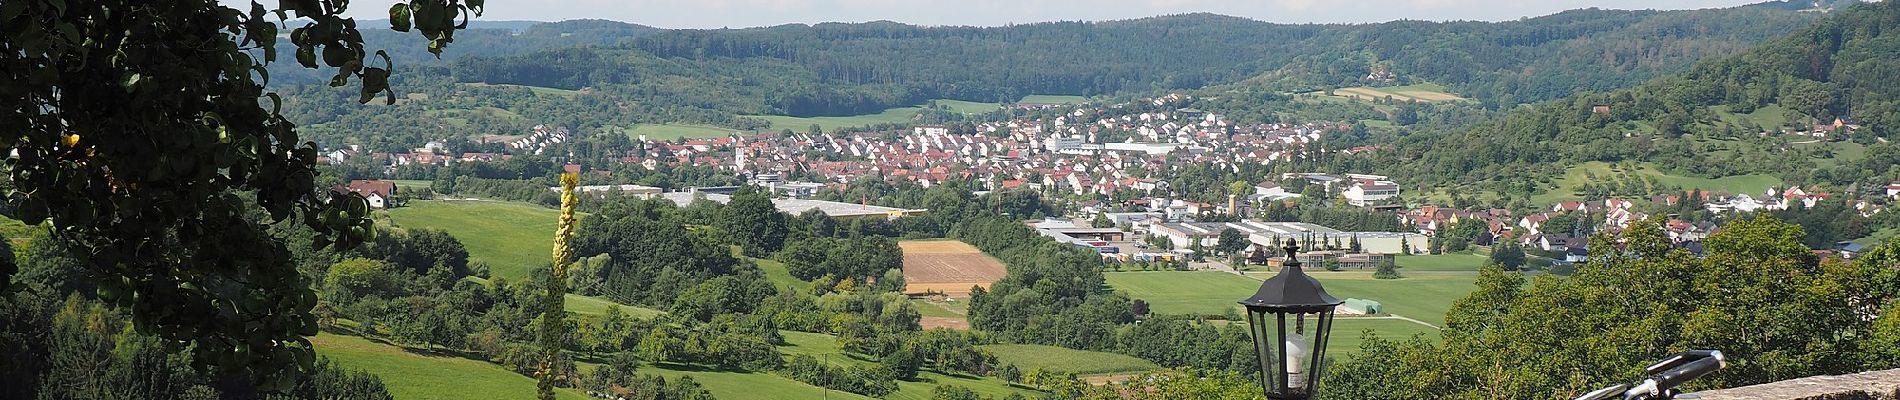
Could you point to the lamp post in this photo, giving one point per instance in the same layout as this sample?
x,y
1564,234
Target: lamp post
x,y
1291,359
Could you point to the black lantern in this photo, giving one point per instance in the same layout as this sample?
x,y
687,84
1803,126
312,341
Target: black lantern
x,y
1290,318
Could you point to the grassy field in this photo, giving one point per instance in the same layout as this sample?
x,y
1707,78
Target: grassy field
x,y
1576,177
820,345
1425,92
1185,292
954,309
1051,358
16,232
411,185
1465,262
1430,286
969,107
513,238
1878,237
1348,333
598,306
461,115
776,272
829,124
676,131
412,375
1771,117
1424,296
1052,99
538,90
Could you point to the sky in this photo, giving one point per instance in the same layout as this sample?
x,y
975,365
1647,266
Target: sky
x,y
751,13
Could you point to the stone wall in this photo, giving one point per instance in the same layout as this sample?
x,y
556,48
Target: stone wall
x,y
1875,385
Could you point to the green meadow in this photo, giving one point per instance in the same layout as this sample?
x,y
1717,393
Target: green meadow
x,y
513,238
1185,292
1052,99
1051,358
830,124
538,90
1420,295
678,131
420,375
1573,180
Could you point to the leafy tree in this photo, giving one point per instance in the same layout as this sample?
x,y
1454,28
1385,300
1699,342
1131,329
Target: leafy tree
x,y
1507,254
1009,373
1231,241
1386,269
755,224
357,277
135,126
1624,309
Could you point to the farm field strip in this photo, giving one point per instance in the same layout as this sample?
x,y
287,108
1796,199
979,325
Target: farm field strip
x,y
947,266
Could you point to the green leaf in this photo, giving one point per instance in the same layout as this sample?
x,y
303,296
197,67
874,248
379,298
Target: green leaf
x,y
307,57
399,17
335,55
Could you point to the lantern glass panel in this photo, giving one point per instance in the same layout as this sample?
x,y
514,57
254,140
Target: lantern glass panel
x,y
1291,347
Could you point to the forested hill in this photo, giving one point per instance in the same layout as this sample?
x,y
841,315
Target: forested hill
x,y
481,39
1532,60
1844,66
840,69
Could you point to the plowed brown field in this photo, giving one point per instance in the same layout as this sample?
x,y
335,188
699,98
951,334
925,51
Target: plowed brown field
x,y
947,266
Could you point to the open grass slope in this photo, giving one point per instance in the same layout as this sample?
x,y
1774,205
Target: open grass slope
x,y
825,347
1185,292
598,306
1032,356
513,238
1424,296
1423,92
1455,262
829,124
538,90
1431,284
1573,180
1349,333
411,375
1052,99
776,272
678,131
968,107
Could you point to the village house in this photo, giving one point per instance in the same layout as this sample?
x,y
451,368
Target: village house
x,y
377,191
1366,192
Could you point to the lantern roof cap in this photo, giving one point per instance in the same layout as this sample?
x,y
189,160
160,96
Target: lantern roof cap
x,y
1292,290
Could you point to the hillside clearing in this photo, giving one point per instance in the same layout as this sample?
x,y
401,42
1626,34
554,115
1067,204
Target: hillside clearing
x,y
678,131
1185,292
513,238
538,90
1424,92
1572,182
415,375
1052,99
1033,356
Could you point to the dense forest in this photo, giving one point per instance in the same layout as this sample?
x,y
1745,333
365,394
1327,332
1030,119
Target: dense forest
x,y
621,75
1838,68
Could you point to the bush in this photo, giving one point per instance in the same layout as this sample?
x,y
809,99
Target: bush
x,y
1387,269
